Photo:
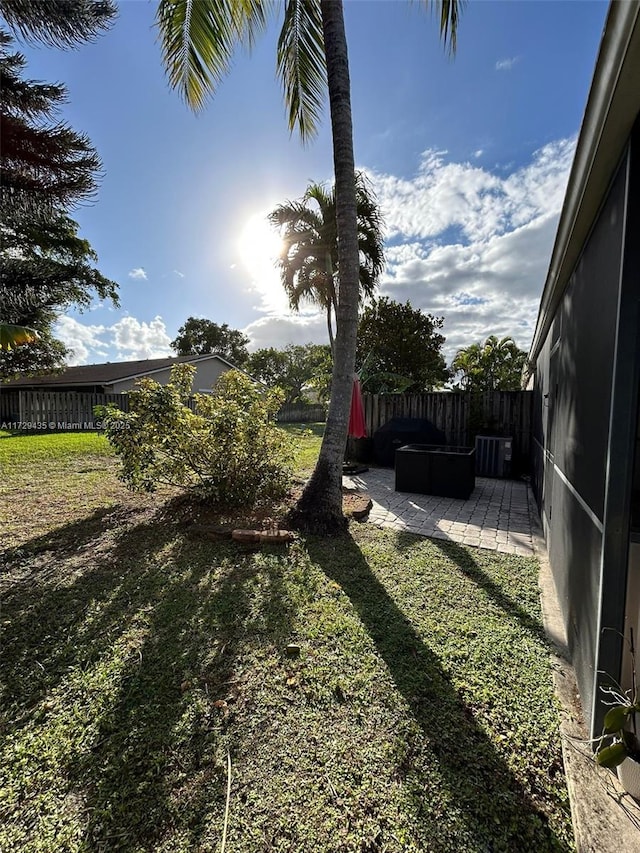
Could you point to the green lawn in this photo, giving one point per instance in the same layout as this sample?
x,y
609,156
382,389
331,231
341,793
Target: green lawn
x,y
417,716
307,439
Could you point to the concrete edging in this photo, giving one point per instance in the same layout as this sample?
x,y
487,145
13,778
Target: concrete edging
x,y
605,818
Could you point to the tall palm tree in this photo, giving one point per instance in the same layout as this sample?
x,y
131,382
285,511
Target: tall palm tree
x,y
309,258
198,39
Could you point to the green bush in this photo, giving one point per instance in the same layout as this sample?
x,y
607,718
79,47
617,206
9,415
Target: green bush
x,y
229,451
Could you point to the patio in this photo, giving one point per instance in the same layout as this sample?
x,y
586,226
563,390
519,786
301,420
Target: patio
x,y
500,514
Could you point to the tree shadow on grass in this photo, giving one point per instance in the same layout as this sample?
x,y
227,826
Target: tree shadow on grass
x,y
496,811
141,639
470,567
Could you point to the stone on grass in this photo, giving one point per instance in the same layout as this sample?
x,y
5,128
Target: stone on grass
x,y
276,536
246,535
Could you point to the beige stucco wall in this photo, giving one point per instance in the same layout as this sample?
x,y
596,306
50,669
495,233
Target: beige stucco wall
x,y
206,376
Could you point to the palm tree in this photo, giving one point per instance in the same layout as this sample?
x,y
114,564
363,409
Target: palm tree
x,y
495,365
309,258
198,39
466,361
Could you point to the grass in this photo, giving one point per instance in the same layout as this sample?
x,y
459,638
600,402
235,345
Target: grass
x,y
307,438
417,716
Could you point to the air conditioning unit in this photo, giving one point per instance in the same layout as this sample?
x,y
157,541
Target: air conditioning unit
x,y
493,456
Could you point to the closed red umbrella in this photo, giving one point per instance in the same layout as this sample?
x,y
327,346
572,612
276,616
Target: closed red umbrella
x,y
357,426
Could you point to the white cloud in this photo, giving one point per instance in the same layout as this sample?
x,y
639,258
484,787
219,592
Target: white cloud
x,y
478,153
138,273
126,340
82,339
279,330
135,340
470,198
404,252
178,273
474,246
507,64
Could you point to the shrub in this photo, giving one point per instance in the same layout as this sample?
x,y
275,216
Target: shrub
x,y
228,451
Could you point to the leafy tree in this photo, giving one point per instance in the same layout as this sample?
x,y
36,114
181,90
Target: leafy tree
x,y
45,277
229,451
309,258
45,168
400,348
199,336
294,369
198,41
58,24
495,365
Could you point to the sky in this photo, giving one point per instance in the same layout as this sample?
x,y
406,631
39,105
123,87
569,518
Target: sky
x,y
469,158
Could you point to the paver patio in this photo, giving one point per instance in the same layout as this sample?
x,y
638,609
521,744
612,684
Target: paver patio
x,y
500,514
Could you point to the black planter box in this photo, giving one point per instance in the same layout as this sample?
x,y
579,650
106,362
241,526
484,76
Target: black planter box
x,y
432,469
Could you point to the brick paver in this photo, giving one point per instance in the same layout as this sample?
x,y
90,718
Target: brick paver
x,y
500,514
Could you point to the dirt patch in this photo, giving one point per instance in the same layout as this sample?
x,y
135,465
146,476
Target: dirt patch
x,y
203,519
356,505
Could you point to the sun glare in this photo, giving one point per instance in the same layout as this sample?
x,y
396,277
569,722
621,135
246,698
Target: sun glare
x,y
258,249
259,244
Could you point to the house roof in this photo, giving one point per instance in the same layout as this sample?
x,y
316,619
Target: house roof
x,y
612,107
111,371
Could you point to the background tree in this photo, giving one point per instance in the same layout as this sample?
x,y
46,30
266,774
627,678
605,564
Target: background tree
x,y
199,336
45,169
309,258
495,365
400,348
47,276
198,41
297,370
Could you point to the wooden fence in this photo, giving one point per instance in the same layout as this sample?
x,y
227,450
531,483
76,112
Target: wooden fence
x,y
461,416
43,410
299,413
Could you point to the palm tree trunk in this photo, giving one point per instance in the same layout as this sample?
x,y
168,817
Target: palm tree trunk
x,y
319,509
331,302
330,331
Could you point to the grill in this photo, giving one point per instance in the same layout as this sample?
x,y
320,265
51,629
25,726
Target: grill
x,y
493,456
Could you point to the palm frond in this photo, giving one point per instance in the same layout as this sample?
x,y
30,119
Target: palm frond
x,y
14,336
199,37
450,11
302,65
325,199
296,218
